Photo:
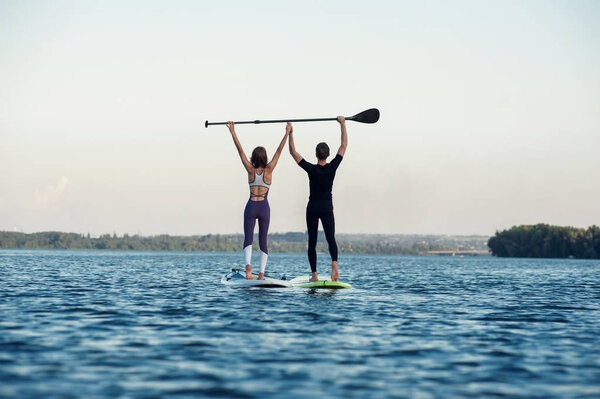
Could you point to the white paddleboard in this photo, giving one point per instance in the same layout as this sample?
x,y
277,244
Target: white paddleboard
x,y
237,279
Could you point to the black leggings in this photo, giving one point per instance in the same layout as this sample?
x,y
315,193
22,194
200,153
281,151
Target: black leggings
x,y
323,210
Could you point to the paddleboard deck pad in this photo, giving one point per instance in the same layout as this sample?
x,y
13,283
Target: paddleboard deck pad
x,y
236,279
304,282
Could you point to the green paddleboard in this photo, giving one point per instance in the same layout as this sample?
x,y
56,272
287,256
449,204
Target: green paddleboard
x,y
303,282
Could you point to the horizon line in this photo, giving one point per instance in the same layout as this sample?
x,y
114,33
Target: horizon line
x,y
95,235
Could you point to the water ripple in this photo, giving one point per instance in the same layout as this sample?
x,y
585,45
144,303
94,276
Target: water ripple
x,y
142,324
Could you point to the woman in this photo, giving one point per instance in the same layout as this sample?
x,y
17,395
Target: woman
x,y
257,207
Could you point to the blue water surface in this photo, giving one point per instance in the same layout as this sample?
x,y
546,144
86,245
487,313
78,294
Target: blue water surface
x,y
99,324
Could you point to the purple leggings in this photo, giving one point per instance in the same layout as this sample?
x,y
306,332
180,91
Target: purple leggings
x,y
257,210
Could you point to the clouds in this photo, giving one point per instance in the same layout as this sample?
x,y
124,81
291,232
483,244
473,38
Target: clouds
x,y
32,204
48,198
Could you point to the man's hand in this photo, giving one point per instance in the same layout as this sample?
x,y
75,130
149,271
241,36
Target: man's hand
x,y
344,140
231,127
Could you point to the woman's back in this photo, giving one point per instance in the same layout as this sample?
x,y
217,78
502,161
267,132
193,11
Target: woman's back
x,y
260,183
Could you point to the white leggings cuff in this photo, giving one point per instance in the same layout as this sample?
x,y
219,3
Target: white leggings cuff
x,y
248,254
263,261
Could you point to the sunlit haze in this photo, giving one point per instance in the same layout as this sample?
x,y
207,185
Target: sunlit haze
x,y
490,113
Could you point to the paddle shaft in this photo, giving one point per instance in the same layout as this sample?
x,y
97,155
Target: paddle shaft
x,y
256,122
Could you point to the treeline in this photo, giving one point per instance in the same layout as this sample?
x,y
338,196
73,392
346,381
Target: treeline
x,y
546,241
59,240
284,242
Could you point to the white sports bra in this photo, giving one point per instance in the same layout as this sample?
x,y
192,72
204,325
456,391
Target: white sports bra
x,y
259,181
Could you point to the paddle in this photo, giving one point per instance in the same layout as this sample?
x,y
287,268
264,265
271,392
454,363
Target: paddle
x,y
368,116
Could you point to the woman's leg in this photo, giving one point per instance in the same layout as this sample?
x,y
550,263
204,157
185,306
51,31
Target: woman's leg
x,y
264,218
249,223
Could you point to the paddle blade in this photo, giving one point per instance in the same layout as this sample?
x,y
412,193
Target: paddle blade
x,y
368,116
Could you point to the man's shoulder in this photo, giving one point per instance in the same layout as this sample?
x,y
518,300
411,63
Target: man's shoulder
x,y
305,164
335,162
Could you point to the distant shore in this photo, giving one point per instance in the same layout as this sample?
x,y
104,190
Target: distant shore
x,y
546,241
293,242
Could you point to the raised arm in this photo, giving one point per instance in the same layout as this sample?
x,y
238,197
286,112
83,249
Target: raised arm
x,y
344,144
245,161
297,157
288,129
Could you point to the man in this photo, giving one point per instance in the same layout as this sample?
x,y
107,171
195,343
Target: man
x,y
320,202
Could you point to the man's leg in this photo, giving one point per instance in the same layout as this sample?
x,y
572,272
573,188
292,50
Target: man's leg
x,y
312,225
328,221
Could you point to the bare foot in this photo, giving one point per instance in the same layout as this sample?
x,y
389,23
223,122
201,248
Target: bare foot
x,y
261,276
314,277
248,272
334,271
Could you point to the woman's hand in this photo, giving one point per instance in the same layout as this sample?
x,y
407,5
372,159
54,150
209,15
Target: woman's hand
x,y
341,120
289,128
231,127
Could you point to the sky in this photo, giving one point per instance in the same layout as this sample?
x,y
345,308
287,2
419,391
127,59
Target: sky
x,y
490,113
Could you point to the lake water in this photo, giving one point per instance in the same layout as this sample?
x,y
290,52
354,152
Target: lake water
x,y
100,324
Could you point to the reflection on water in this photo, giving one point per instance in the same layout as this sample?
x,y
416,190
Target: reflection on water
x,y
144,324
